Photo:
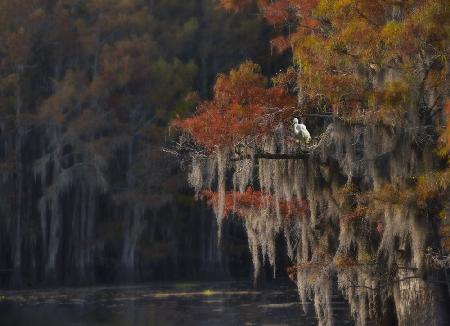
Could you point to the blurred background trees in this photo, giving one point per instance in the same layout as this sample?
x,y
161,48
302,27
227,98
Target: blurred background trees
x,y
86,90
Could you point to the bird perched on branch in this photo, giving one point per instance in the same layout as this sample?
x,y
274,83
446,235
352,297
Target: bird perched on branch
x,y
300,130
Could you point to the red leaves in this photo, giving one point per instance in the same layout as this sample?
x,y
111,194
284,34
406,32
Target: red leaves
x,y
277,12
354,215
280,44
380,228
283,11
236,5
242,203
237,109
214,127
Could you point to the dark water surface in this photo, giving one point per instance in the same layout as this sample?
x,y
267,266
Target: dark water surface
x,y
170,304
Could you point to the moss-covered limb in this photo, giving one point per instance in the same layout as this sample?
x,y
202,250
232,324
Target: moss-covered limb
x,y
274,156
373,183
366,201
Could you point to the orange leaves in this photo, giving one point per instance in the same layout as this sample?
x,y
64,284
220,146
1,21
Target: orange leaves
x,y
283,11
337,44
345,262
354,215
359,38
237,109
314,267
243,203
241,85
236,5
212,126
280,44
343,51
432,185
306,7
390,101
392,194
294,207
426,27
277,12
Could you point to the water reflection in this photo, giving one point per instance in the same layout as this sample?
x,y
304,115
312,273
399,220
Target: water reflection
x,y
171,304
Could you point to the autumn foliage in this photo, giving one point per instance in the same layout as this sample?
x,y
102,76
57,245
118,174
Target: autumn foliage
x,y
341,47
360,59
241,203
374,182
242,105
363,61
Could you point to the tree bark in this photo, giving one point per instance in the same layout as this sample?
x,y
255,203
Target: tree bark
x,y
17,258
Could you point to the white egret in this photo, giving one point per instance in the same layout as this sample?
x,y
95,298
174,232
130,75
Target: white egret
x,y
300,129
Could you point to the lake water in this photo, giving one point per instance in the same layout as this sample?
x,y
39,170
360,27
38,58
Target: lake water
x,y
170,304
